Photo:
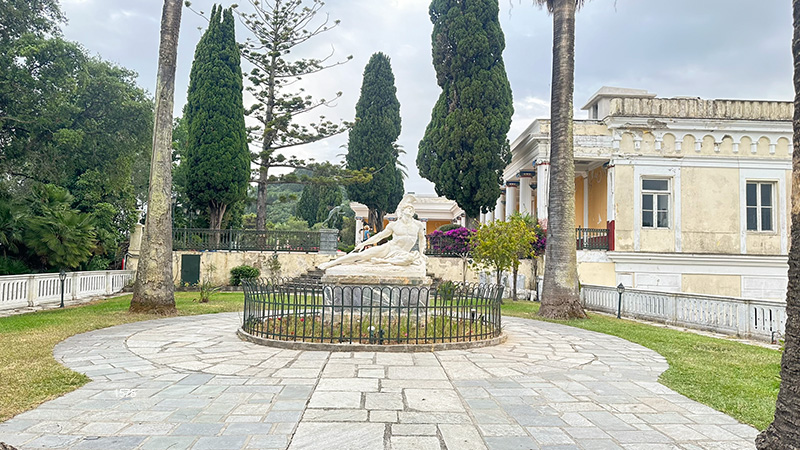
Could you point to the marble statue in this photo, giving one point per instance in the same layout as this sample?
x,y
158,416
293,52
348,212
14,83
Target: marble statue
x,y
396,253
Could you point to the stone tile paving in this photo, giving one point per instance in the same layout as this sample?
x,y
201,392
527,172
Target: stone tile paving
x,y
189,383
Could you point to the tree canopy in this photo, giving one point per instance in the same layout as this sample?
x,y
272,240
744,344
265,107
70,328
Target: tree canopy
x,y
215,169
70,120
372,141
465,147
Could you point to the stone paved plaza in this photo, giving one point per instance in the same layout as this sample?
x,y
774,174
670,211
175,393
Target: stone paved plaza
x,y
190,383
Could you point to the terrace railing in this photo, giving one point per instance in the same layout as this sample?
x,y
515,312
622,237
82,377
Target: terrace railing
x,y
760,319
445,246
591,238
20,291
586,239
249,240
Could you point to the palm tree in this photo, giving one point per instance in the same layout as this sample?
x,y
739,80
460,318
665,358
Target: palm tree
x,y
560,297
154,291
61,239
784,432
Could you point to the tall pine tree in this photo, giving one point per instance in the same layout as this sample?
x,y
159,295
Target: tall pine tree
x,y
372,141
217,160
280,30
465,147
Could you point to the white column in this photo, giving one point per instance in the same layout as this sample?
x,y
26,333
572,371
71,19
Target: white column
x,y
610,210
500,209
511,198
483,218
525,193
586,201
542,190
490,216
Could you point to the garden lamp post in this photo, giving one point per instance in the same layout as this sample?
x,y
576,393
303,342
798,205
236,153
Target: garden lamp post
x,y
62,276
620,290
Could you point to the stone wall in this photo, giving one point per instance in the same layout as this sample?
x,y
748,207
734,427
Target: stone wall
x,y
217,266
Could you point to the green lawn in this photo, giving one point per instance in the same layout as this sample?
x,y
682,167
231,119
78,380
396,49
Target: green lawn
x,y
738,379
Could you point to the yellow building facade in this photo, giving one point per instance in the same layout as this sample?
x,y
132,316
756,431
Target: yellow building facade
x,y
683,194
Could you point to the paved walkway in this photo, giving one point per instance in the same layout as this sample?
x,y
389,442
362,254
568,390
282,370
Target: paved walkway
x,y
189,383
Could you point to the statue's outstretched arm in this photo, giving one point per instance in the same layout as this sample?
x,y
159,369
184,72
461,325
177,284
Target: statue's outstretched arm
x,y
376,238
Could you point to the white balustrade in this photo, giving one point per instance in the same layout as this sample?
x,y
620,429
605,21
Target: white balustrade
x,y
18,291
746,318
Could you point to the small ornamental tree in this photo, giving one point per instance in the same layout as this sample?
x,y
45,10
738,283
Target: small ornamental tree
x,y
501,245
493,248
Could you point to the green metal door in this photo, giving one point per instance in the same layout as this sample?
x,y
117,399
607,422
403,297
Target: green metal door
x,y
190,269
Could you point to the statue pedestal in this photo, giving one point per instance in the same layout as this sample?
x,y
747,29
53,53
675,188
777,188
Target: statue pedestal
x,y
377,275
377,285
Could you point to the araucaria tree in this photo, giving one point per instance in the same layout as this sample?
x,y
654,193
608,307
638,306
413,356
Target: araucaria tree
x,y
465,147
217,160
280,27
560,298
154,291
372,141
784,432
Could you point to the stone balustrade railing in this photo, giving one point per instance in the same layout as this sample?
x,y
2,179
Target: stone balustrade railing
x,y
19,291
754,319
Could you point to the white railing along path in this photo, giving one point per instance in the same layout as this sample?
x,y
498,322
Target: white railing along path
x,y
760,319
19,291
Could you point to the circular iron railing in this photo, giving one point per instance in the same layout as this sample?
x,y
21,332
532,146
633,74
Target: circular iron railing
x,y
384,315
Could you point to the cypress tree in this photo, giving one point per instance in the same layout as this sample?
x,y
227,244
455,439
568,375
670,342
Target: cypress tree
x,y
372,140
217,157
465,147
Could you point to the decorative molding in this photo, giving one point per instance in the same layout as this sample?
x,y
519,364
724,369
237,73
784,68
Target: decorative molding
x,y
716,162
512,184
690,262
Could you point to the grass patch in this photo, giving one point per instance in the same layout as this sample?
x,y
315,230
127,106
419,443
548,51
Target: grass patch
x,y
738,379
29,375
381,329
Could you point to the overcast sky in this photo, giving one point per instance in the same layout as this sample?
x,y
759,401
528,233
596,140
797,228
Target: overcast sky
x,y
732,49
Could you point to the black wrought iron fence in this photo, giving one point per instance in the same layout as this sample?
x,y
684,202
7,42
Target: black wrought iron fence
x,y
244,240
386,315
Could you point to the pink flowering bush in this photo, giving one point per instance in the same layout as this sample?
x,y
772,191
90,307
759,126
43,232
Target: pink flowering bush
x,y
454,242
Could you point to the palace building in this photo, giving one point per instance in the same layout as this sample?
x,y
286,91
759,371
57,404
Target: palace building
x,y
672,194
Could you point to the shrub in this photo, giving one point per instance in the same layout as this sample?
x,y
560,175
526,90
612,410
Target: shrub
x,y
10,266
455,241
240,273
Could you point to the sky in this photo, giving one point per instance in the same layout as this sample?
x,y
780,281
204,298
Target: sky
x,y
724,49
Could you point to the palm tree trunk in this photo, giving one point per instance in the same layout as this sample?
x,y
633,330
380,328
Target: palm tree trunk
x,y
154,289
784,432
560,297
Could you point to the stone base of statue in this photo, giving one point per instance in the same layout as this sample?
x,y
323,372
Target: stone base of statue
x,y
376,286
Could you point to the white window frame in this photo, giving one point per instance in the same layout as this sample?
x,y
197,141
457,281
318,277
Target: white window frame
x,y
655,210
773,206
